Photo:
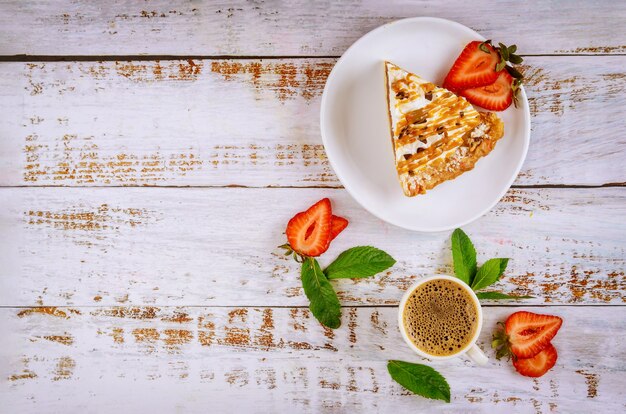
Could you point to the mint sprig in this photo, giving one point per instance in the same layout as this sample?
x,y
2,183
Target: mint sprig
x,y
354,263
420,379
359,262
464,258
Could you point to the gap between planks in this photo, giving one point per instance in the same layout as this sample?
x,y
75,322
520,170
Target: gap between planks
x,y
147,58
332,187
489,305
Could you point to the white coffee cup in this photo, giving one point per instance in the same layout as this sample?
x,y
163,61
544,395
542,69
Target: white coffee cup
x,y
471,349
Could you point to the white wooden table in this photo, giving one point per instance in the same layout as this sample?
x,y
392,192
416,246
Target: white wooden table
x,y
152,152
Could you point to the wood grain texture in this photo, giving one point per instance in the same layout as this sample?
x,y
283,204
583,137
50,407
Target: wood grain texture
x,y
280,360
256,123
300,27
177,299
171,246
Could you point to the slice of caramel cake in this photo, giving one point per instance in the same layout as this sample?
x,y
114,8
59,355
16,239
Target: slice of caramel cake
x,y
436,134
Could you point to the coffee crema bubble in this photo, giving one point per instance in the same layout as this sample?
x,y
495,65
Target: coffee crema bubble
x,y
440,317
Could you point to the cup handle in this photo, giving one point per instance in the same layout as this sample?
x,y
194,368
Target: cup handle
x,y
477,355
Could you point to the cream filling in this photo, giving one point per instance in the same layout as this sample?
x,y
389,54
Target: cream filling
x,y
397,108
412,148
479,131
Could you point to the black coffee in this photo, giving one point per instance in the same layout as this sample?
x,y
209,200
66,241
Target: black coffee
x,y
440,317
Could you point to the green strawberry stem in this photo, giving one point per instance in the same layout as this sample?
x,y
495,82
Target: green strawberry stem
x,y
507,55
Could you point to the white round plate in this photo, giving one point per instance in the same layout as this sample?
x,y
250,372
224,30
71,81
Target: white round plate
x,y
355,128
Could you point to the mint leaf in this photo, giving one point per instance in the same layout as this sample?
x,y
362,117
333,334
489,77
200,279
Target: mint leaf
x,y
324,305
357,262
420,379
463,256
498,295
489,273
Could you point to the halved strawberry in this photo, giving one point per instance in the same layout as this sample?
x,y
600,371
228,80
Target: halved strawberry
x,y
495,97
537,365
308,232
473,68
337,224
525,334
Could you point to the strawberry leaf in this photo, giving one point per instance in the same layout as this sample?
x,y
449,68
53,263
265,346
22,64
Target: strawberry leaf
x,y
483,46
500,342
515,87
504,52
514,72
507,54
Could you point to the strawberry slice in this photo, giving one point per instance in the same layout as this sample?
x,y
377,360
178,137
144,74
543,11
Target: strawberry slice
x,y
530,332
537,365
308,232
525,334
473,68
495,97
337,224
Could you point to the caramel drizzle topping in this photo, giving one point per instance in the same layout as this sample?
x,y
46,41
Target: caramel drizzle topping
x,y
445,110
404,85
426,156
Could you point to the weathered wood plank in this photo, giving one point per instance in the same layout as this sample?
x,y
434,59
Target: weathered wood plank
x,y
277,360
301,28
217,246
255,122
